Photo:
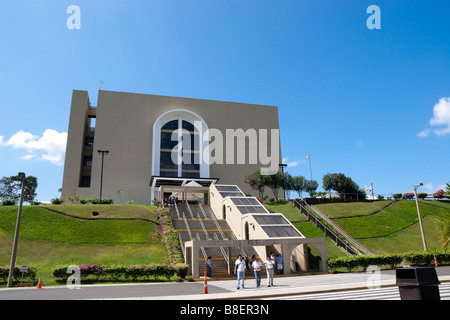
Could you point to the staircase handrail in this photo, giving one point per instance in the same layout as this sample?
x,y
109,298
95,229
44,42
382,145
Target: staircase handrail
x,y
327,231
339,230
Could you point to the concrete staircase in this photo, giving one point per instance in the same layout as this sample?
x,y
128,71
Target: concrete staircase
x,y
199,222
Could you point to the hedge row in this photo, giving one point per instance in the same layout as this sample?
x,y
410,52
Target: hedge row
x,y
17,276
392,260
115,273
170,235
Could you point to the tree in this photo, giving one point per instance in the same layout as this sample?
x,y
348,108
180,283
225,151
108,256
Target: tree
x,y
443,227
10,188
311,186
257,182
327,182
289,184
298,185
275,182
340,183
447,187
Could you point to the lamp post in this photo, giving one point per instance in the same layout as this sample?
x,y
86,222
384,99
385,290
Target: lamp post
x,y
102,152
282,166
420,218
309,158
16,234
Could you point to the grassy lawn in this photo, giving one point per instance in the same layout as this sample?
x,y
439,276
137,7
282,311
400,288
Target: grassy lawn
x,y
395,229
108,211
288,210
48,239
408,239
350,209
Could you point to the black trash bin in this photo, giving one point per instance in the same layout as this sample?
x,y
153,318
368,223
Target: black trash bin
x,y
418,283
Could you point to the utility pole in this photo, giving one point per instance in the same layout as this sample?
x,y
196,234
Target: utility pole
x,y
16,234
420,218
310,170
102,152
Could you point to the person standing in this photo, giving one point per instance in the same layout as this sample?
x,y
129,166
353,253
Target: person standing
x,y
257,269
208,267
239,269
279,264
269,267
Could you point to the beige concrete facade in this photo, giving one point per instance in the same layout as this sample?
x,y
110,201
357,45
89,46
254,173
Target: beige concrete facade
x,y
128,125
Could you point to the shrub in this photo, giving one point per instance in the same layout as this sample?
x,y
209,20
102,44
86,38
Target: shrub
x,y
422,195
170,235
9,202
397,196
439,194
391,260
131,273
100,201
408,195
57,201
17,275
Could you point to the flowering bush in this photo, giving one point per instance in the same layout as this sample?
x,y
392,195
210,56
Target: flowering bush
x,y
170,235
439,194
409,195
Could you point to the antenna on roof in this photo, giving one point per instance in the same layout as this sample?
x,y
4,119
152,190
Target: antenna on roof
x,y
101,83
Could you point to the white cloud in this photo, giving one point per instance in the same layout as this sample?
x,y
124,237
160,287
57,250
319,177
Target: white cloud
x,y
292,163
50,147
441,117
429,188
423,133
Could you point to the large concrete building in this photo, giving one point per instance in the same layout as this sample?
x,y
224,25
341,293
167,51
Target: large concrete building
x,y
140,147
217,141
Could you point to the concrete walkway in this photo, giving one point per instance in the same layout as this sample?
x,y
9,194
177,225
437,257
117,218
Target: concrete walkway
x,y
290,285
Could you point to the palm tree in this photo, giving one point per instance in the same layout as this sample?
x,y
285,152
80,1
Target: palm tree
x,y
443,228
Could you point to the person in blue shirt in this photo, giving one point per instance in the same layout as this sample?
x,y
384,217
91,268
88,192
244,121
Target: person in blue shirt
x,y
279,264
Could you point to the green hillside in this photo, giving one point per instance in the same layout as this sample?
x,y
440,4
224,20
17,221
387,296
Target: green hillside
x,y
395,229
48,239
381,226
127,234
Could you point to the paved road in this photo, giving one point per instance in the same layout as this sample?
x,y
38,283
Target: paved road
x,y
384,293
220,290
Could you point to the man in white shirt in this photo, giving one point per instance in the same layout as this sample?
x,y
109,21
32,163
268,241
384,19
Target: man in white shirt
x,y
257,269
269,267
239,266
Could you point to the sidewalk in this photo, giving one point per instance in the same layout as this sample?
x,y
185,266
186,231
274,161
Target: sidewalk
x,y
289,285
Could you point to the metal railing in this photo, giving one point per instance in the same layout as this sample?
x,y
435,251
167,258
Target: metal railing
x,y
327,231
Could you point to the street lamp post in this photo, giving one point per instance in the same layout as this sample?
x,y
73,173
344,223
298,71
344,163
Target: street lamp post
x,y
310,170
102,152
16,234
420,218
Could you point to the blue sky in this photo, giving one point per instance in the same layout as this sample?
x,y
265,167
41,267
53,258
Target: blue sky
x,y
372,104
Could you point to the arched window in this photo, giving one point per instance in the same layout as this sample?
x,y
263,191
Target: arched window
x,y
178,145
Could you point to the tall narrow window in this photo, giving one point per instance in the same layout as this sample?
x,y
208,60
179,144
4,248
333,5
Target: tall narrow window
x,y
179,138
178,145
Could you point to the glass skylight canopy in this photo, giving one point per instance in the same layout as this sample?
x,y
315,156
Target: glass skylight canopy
x,y
263,219
229,191
281,231
276,226
248,205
